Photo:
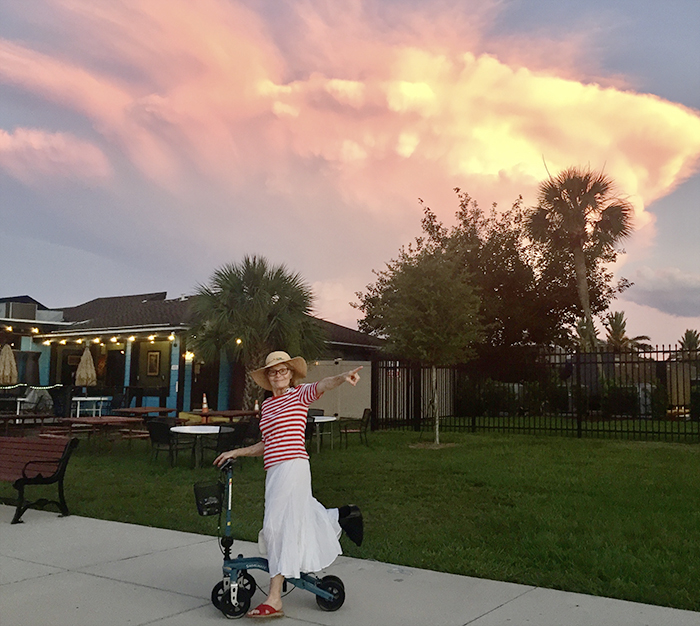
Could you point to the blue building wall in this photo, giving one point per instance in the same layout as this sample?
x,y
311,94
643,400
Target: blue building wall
x,y
171,402
224,382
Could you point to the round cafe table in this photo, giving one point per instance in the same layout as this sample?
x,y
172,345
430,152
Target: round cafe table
x,y
320,431
197,431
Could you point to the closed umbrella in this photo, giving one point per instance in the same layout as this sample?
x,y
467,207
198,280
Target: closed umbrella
x,y
85,375
8,366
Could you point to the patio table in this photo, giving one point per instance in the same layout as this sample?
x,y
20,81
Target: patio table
x,y
319,431
198,431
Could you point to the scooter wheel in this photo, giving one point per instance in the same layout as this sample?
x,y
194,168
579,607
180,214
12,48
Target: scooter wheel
x,y
231,611
216,594
247,581
333,585
244,580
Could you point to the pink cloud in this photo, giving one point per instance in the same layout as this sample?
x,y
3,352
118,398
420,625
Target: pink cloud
x,y
383,114
32,156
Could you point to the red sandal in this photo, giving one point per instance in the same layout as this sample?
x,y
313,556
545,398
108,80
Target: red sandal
x,y
265,611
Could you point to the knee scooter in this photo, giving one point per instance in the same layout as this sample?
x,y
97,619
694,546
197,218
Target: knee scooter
x,y
232,595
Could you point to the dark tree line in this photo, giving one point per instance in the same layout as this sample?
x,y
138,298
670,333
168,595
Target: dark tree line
x,y
524,271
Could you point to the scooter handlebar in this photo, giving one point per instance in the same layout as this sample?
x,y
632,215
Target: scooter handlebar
x,y
226,465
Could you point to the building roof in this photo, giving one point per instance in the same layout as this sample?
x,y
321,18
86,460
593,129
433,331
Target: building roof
x,y
24,300
344,336
139,309
153,309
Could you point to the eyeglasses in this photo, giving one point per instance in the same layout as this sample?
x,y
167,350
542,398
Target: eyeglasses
x,y
278,372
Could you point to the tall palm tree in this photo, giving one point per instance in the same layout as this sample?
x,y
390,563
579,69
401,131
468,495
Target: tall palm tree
x,y
250,309
578,214
617,339
689,345
690,340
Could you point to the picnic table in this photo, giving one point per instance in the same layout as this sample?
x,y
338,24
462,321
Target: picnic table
x,y
25,419
103,424
144,411
232,415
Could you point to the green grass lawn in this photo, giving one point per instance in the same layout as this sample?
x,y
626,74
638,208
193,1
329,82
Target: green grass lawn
x,y
604,517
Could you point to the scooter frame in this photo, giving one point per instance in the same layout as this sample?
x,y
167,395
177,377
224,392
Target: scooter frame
x,y
232,595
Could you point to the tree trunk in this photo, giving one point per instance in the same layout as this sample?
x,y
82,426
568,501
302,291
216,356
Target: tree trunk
x,y
251,392
582,287
433,403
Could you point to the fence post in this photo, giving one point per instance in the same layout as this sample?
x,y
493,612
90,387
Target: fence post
x,y
417,393
374,395
578,399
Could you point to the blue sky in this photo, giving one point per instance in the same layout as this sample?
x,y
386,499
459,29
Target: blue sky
x,y
143,144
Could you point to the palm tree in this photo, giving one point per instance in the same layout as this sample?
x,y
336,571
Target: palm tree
x,y
689,345
577,214
690,340
250,309
617,339
584,337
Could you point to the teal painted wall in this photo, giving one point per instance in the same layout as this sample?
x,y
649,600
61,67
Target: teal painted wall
x,y
224,382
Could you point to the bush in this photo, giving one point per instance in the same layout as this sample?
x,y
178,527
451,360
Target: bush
x,y
617,400
659,401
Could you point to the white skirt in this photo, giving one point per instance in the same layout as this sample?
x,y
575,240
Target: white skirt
x,y
299,534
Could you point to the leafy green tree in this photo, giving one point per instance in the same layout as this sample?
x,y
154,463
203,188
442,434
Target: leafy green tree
x,y
617,339
528,291
425,307
579,216
251,308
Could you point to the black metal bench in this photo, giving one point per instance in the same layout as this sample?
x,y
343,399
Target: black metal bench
x,y
34,461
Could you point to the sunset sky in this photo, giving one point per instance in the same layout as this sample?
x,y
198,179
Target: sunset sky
x,y
144,143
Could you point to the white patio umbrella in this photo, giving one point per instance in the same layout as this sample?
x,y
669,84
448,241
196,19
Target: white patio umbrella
x,y
8,366
85,375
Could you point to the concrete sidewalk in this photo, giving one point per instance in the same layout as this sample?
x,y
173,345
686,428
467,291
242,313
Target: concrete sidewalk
x,y
78,571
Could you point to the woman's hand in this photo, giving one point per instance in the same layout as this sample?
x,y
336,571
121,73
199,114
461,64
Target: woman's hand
x,y
257,449
225,456
352,376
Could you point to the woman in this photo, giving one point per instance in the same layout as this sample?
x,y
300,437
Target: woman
x,y
299,533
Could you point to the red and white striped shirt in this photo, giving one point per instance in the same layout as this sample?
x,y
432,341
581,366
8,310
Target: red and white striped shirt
x,y
283,424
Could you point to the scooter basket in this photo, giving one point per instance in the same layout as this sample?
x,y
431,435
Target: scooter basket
x,y
209,497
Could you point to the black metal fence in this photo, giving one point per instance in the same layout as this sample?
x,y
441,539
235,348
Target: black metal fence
x,y
652,395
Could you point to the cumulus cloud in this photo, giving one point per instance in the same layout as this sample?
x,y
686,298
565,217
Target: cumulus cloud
x,y
668,289
32,156
204,92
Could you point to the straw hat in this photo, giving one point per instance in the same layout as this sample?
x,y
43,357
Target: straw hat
x,y
296,364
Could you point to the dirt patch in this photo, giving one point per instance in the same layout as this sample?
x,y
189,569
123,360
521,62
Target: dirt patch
x,y
431,445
